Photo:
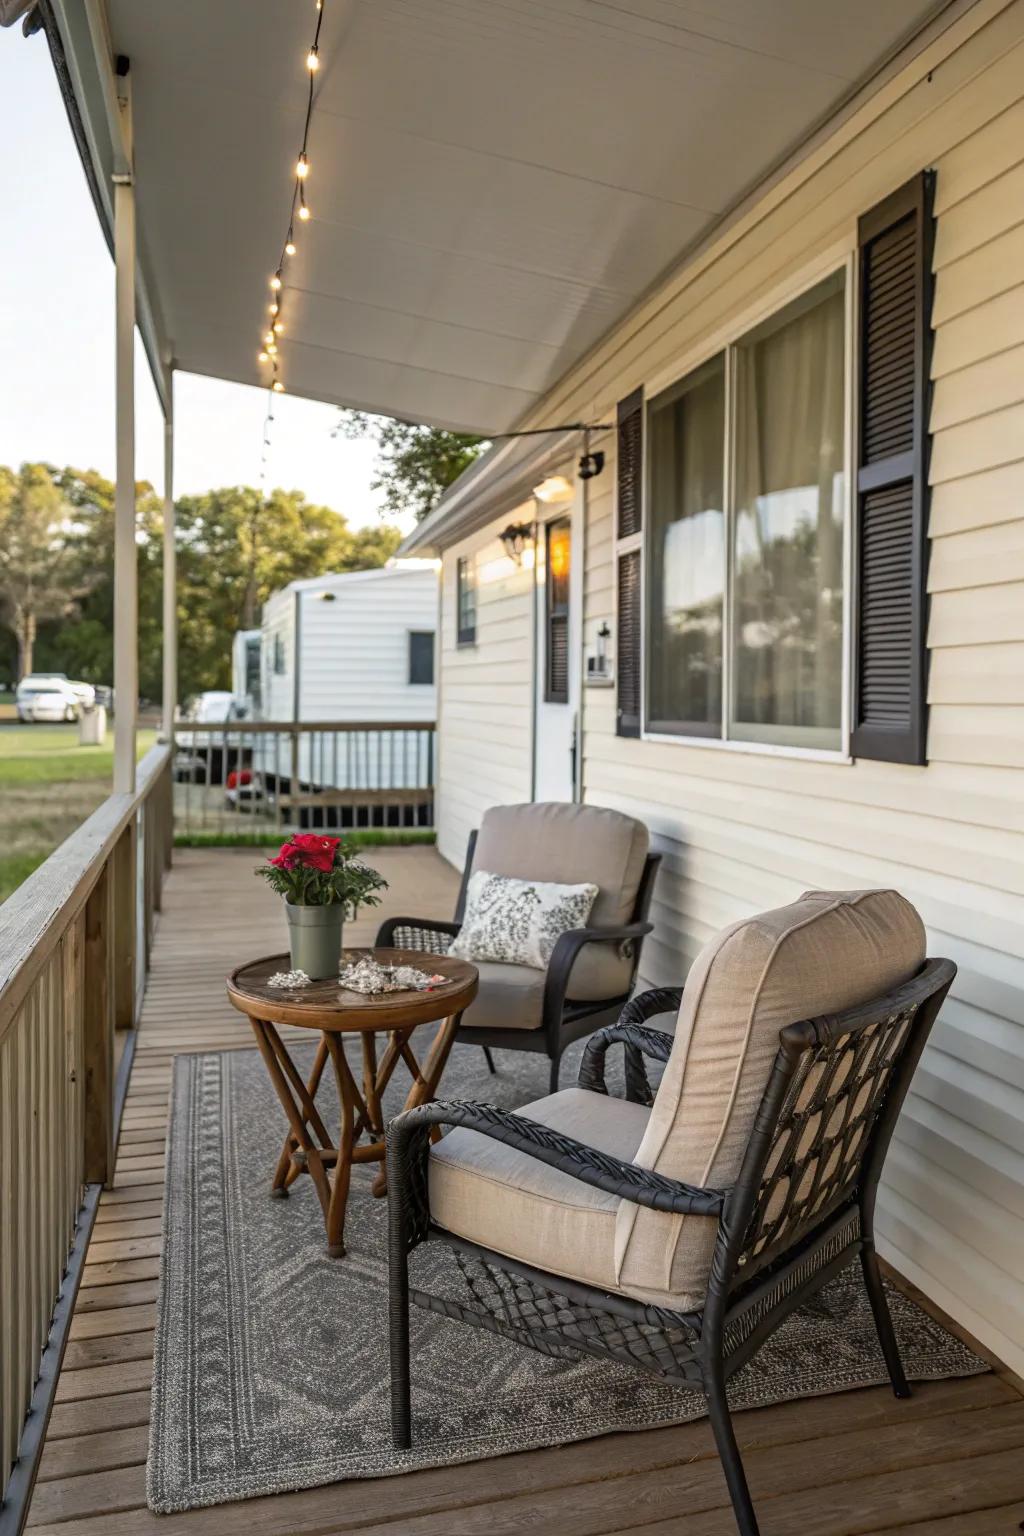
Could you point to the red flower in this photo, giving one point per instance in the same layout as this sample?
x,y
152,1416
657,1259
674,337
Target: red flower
x,y
313,850
285,857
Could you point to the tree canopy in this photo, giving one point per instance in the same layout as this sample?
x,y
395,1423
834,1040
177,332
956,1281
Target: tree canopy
x,y
235,548
415,464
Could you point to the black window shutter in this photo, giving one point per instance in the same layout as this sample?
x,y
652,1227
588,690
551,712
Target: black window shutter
x,y
629,521
890,669
627,719
630,457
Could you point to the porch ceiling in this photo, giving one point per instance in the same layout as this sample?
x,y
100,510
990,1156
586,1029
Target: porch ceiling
x,y
493,184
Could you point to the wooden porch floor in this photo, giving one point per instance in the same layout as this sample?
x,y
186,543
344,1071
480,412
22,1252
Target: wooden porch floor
x,y
950,1462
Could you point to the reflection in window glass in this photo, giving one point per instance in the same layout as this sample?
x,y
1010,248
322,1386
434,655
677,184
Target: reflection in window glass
x,y
787,556
687,545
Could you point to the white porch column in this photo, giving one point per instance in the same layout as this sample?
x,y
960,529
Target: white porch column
x,y
126,595
170,626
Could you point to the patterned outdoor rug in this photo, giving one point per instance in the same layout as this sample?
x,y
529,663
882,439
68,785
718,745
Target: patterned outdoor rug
x,y
271,1369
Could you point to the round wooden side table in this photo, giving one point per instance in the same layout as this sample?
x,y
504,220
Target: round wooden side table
x,y
326,1006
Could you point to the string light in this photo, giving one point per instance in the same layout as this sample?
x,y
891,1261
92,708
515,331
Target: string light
x,y
300,210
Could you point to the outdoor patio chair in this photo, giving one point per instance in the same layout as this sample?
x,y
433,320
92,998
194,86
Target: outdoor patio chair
x,y
592,969
675,1230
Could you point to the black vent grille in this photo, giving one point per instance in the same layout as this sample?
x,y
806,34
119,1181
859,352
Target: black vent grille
x,y
628,660
891,279
631,464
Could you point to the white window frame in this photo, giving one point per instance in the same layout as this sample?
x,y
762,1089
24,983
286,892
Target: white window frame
x,y
841,257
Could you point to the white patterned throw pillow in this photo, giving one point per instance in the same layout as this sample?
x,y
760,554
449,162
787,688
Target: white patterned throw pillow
x,y
518,922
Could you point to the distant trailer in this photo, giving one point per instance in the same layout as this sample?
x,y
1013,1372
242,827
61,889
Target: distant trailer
x,y
354,650
245,668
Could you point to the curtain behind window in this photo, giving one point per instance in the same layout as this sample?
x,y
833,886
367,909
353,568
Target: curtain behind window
x,y
788,530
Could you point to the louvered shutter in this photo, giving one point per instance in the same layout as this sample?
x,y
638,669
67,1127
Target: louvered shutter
x,y
628,659
630,463
889,695
629,524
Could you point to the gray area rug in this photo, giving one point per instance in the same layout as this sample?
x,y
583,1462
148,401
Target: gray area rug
x,y
271,1367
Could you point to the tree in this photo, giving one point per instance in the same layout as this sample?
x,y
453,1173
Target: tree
x,y
235,548
415,464
36,581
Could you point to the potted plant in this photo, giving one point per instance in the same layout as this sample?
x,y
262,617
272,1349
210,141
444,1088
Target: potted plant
x,y
322,883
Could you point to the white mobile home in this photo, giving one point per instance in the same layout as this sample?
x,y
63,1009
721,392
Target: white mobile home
x,y
246,667
355,649
355,646
783,623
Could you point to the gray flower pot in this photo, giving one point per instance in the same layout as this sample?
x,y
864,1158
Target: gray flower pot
x,y
315,935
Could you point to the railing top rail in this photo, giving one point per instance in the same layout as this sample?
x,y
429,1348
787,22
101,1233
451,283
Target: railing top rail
x,y
293,726
33,919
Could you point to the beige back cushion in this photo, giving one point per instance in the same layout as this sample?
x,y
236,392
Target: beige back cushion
x,y
826,952
573,844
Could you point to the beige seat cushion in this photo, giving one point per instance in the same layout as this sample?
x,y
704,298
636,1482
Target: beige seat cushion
x,y
506,1200
509,997
573,844
826,952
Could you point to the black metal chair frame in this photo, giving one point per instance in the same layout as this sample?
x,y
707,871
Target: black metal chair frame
x,y
563,1020
801,1209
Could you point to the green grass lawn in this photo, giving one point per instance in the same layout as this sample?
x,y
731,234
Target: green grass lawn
x,y
48,786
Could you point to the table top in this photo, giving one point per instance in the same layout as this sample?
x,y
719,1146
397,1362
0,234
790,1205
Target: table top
x,y
326,1005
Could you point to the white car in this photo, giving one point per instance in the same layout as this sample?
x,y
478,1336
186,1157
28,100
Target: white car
x,y
39,698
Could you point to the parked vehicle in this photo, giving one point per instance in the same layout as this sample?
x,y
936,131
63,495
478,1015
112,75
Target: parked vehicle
x,y
51,697
203,755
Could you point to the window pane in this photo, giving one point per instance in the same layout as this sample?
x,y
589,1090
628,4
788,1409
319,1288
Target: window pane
x,y
465,600
559,554
421,657
788,532
687,555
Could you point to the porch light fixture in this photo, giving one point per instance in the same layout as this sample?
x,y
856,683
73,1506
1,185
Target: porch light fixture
x,y
591,465
554,488
514,540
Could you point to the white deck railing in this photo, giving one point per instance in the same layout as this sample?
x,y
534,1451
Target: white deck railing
x,y
74,944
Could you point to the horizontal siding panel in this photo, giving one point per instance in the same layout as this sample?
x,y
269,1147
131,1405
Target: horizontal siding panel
x,y
970,618
981,332
993,496
991,385
977,674
995,438
981,158
980,557
966,733
990,1167
991,211
977,278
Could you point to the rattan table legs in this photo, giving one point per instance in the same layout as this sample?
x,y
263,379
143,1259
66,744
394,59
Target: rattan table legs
x,y
308,1147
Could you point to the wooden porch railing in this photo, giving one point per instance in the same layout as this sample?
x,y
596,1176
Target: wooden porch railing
x,y
246,778
74,945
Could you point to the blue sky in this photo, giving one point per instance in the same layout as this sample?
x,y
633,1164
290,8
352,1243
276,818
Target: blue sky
x,y
57,334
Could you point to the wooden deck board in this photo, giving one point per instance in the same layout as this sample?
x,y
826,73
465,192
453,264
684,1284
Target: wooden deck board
x,y
946,1463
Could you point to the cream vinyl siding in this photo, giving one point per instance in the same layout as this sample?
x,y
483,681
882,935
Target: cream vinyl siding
x,y
485,734
742,831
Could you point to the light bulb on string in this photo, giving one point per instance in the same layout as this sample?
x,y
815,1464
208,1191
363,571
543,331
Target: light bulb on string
x,y
303,211
289,248
272,348
268,338
278,387
275,281
274,307
313,60
278,327
302,168
264,356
